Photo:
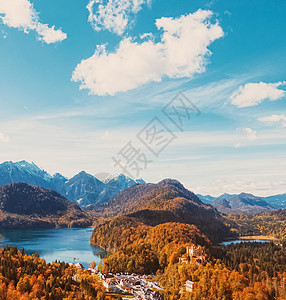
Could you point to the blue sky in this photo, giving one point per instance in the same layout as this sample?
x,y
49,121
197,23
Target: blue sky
x,y
227,57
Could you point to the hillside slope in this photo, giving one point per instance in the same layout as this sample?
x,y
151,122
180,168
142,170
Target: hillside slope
x,y
167,201
144,249
23,205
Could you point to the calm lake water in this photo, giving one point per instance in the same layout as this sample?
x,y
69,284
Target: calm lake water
x,y
243,241
69,245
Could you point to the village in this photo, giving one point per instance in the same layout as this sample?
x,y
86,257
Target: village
x,y
144,287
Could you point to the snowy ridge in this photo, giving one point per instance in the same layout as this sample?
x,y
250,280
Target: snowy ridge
x,y
83,188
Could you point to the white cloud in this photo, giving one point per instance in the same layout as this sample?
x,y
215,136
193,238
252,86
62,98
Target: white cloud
x,y
113,15
22,15
4,138
148,35
274,119
250,134
182,52
50,34
253,93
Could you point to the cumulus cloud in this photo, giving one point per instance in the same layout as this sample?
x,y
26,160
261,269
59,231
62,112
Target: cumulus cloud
x,y
252,94
49,34
281,119
113,15
4,138
21,14
182,52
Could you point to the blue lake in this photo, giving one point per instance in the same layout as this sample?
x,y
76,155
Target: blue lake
x,y
69,245
243,241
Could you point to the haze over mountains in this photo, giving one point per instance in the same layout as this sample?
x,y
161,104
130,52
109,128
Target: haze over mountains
x,y
83,188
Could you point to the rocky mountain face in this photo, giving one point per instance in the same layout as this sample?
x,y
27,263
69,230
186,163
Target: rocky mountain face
x,y
23,171
24,205
166,201
243,204
83,188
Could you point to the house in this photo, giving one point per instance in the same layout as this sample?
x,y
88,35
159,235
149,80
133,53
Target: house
x,y
189,285
92,271
79,266
183,260
110,284
105,276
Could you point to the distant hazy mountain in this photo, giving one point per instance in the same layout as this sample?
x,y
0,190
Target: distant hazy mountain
x,y
83,188
24,205
207,199
278,201
242,203
166,201
115,184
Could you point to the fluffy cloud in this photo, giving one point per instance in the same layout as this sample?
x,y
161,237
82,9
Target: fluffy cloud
x,y
250,134
49,34
253,93
274,119
22,15
113,15
182,52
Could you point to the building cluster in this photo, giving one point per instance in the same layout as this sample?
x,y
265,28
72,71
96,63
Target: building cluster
x,y
124,284
137,285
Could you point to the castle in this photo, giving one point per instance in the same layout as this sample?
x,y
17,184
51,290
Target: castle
x,y
194,254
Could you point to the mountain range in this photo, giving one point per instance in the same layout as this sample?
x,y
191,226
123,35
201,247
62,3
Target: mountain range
x,y
83,188
244,203
88,190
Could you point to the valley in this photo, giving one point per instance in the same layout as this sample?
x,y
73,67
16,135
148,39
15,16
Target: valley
x,y
149,241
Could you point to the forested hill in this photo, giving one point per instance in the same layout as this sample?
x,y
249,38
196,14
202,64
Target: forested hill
x,y
272,223
167,201
139,248
162,195
24,277
23,205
